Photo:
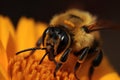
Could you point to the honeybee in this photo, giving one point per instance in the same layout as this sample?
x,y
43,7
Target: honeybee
x,y
75,32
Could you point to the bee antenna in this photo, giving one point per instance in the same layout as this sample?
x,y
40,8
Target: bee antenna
x,y
29,49
98,29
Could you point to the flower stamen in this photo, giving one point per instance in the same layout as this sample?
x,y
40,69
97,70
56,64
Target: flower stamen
x,y
22,68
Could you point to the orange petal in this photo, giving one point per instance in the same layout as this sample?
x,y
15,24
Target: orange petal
x,y
6,28
3,57
111,76
3,74
10,26
105,68
11,47
4,32
39,29
25,33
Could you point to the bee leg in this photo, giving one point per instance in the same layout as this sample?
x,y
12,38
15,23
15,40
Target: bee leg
x,y
43,58
75,69
96,62
58,65
81,59
62,60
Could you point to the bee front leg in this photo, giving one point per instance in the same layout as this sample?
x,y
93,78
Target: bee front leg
x,y
96,62
62,60
81,59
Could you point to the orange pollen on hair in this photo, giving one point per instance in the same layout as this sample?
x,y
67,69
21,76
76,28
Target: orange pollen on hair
x,y
69,23
21,68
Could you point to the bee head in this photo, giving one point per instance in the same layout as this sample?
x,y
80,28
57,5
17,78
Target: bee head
x,y
55,38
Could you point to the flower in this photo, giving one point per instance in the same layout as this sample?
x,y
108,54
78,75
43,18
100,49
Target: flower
x,y
21,67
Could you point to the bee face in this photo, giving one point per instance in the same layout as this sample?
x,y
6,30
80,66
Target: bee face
x,y
56,38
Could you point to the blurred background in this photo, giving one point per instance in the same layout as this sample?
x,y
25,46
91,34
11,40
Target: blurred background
x,y
43,10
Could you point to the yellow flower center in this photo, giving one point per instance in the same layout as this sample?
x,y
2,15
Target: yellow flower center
x,y
21,68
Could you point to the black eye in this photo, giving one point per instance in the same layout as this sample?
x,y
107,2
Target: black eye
x,y
85,28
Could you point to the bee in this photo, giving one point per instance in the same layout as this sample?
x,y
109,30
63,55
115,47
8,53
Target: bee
x,y
73,31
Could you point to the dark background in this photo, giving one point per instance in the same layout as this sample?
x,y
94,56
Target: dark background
x,y
43,10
